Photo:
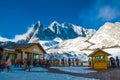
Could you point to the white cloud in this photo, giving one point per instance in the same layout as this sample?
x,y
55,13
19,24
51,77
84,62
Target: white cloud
x,y
108,13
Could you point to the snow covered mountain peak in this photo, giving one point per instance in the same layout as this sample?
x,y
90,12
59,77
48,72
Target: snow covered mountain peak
x,y
55,23
38,23
65,24
107,36
67,37
54,26
107,26
69,25
55,31
63,31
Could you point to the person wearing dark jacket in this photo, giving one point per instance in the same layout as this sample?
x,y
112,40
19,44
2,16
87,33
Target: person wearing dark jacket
x,y
113,62
29,64
1,55
117,61
69,61
63,61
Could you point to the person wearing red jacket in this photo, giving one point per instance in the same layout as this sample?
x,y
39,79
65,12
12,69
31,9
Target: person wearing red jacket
x,y
8,63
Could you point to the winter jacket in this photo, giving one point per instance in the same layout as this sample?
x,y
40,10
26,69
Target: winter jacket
x,y
8,62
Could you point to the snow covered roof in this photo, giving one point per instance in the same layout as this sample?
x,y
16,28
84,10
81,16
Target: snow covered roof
x,y
97,50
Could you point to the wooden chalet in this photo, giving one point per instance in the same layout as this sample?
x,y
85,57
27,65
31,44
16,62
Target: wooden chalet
x,y
99,59
31,51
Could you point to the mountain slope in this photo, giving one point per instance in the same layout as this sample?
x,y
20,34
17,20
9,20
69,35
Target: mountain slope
x,y
71,45
3,39
107,36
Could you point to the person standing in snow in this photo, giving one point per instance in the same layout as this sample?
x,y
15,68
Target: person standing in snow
x,y
113,63
73,61
63,61
48,63
117,61
25,64
16,62
69,61
1,55
29,64
77,61
8,63
90,62
21,62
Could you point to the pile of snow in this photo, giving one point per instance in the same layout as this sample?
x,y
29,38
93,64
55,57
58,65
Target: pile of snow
x,y
83,70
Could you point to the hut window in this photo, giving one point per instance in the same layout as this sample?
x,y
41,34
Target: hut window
x,y
99,58
103,57
36,56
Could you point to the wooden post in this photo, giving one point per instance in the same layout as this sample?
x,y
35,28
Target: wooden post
x,y
23,54
32,57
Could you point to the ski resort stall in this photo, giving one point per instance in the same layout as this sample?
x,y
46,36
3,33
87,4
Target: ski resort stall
x,y
99,59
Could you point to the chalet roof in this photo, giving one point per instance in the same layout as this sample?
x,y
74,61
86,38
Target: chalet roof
x,y
94,52
16,46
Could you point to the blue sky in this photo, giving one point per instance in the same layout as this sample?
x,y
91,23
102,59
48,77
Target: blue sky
x,y
17,15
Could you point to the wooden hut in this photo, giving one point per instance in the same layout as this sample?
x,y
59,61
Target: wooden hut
x,y
31,51
99,59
